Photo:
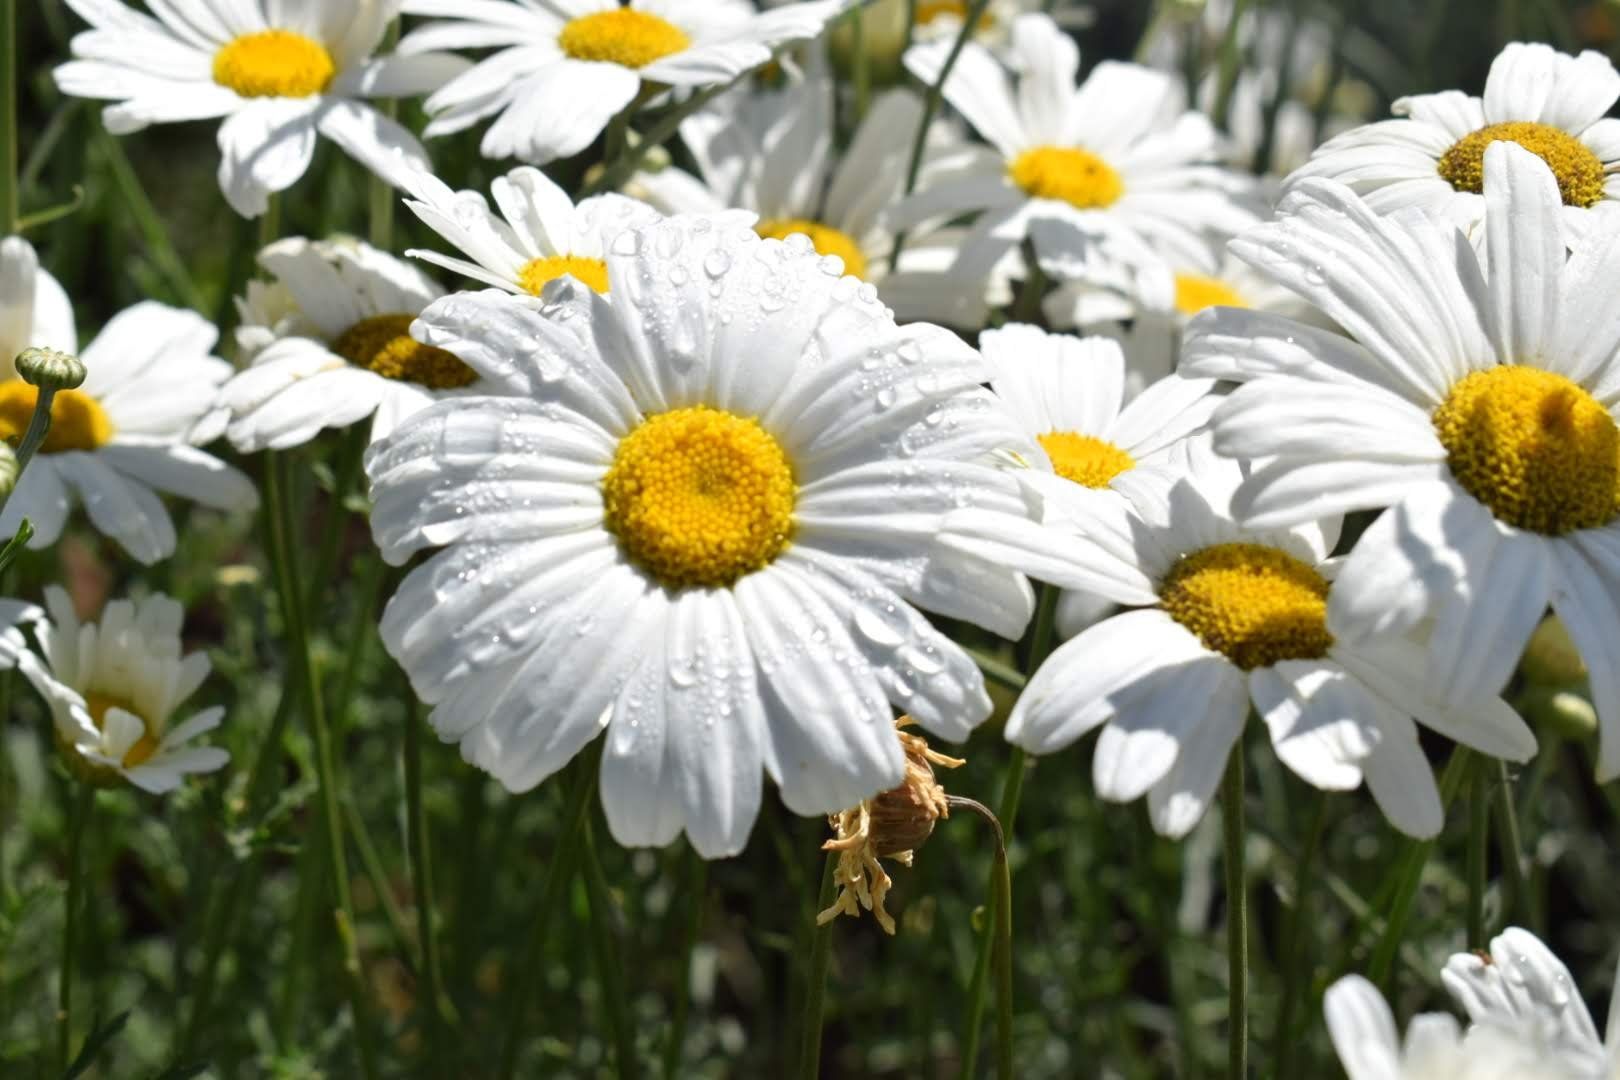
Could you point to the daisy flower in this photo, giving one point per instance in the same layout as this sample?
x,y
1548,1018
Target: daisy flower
x,y
539,236
1364,1035
113,689
700,518
1433,157
1522,983
563,68
1477,401
1088,183
128,432
1226,620
339,351
279,71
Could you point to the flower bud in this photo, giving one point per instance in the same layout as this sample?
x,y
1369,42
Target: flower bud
x,y
1550,657
49,369
1562,711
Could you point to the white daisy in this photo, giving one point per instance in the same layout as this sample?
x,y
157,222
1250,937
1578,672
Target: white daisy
x,y
1478,401
279,71
1091,184
1435,1048
113,689
128,432
699,517
542,237
341,351
1433,157
1522,983
1228,619
564,68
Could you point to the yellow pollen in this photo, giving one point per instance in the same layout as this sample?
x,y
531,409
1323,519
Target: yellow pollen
x,y
78,422
1068,174
383,344
1255,605
1578,169
1085,459
629,38
1535,448
826,240
274,63
699,498
1195,292
929,10
144,747
538,273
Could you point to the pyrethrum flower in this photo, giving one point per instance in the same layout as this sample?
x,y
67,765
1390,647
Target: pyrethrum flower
x,y
539,236
1551,104
564,68
1227,620
1478,402
330,344
114,687
698,517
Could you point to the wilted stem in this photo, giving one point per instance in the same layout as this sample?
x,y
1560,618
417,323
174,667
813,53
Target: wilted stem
x,y
83,803
1237,917
815,987
1002,908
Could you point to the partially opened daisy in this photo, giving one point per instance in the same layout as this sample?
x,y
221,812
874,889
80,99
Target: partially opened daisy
x,y
1478,402
1227,620
539,236
1551,104
339,350
114,688
563,68
1093,185
280,72
700,516
1520,982
34,311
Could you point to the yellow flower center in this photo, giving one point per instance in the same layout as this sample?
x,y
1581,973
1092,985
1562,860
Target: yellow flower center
x,y
538,273
1085,459
699,497
1068,174
1255,605
1579,171
383,344
1534,447
1194,293
78,422
623,36
929,10
274,63
144,747
826,240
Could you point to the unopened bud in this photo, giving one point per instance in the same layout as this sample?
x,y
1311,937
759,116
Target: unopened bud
x,y
49,369
1562,711
1550,657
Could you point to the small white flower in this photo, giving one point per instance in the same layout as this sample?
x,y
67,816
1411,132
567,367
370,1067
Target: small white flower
x,y
279,71
128,432
1478,401
563,68
339,352
1227,620
113,689
701,517
1552,104
540,236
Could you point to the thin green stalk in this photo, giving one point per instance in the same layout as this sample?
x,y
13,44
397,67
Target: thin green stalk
x,y
1237,918
609,971
1479,836
1002,907
39,426
154,231
440,1013
1512,847
815,985
83,802
306,681
1231,59
371,865
558,876
697,875
931,103
380,192
862,75
997,671
10,202
1027,307
1292,956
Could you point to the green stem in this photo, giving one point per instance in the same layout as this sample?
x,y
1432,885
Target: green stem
x,y
997,671
1237,917
1479,834
306,680
154,230
605,947
1231,64
371,865
697,875
1002,906
1293,957
83,803
862,75
10,203
1027,308
1512,845
558,875
440,1012
931,104
815,985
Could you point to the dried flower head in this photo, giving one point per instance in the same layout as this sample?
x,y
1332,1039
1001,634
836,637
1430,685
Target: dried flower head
x,y
890,826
